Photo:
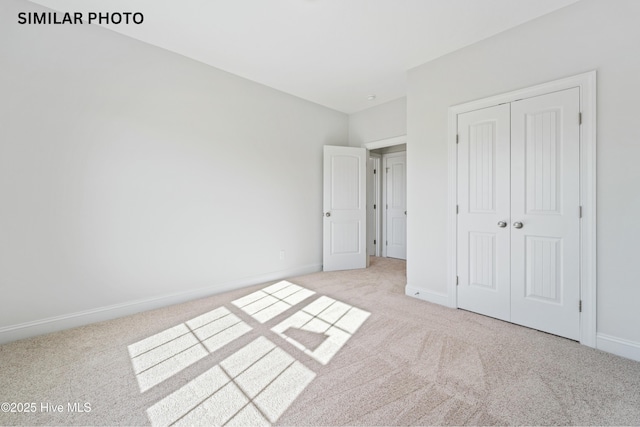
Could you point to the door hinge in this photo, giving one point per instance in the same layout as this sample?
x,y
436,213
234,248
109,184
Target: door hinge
x,y
580,306
457,209
580,212
386,206
374,241
457,280
457,138
386,242
374,206
579,118
374,171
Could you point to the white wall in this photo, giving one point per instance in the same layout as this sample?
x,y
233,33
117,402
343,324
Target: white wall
x,y
591,34
380,122
128,172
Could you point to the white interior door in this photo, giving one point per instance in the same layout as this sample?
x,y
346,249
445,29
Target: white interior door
x,y
344,204
545,203
395,166
518,212
484,211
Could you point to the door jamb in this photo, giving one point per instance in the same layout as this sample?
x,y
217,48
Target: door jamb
x,y
586,82
376,191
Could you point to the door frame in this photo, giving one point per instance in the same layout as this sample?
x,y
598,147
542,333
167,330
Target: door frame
x,y
586,82
375,189
376,145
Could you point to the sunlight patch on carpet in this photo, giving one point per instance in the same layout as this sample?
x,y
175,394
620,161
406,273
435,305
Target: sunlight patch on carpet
x,y
257,383
163,355
253,386
267,303
335,320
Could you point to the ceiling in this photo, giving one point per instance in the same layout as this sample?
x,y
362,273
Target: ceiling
x,y
332,52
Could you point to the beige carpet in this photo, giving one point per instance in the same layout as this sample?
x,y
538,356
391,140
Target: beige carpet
x,y
343,348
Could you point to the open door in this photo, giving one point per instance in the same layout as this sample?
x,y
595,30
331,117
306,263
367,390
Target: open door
x,y
344,205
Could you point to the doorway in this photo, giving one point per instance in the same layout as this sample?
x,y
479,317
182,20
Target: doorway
x,y
387,207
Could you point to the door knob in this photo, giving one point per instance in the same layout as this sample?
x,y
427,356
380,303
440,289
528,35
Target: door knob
x,y
327,214
517,224
502,224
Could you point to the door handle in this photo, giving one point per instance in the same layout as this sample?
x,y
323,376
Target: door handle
x,y
327,214
502,224
518,225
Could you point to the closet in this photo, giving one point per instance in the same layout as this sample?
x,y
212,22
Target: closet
x,y
518,212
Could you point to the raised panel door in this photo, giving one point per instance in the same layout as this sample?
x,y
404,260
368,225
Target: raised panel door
x,y
483,203
545,200
396,208
344,213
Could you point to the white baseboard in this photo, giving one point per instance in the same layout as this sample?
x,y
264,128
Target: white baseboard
x,y
436,298
618,346
610,344
73,320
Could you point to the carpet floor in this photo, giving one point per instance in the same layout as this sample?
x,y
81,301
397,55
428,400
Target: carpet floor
x,y
339,348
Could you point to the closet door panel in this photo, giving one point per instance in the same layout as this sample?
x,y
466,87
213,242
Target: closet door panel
x,y
483,203
545,227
